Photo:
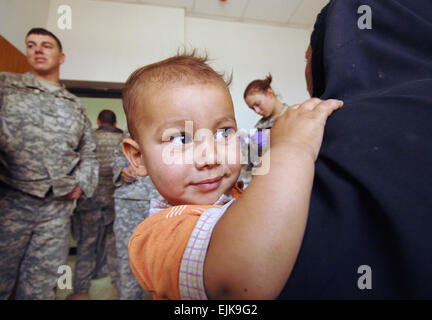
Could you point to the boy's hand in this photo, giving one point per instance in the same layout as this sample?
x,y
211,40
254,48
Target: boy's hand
x,y
303,125
269,218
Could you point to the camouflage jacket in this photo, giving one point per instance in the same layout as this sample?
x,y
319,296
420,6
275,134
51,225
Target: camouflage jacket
x,y
263,123
267,123
45,139
141,189
107,139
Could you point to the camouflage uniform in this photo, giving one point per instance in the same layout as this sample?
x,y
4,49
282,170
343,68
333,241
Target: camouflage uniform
x,y
267,123
263,123
46,149
132,204
93,219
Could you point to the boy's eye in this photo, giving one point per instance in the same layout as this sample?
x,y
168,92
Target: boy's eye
x,y
181,138
224,133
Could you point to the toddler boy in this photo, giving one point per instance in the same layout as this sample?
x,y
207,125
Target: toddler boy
x,y
183,135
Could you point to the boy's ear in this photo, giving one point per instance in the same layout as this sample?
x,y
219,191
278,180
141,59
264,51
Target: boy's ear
x,y
132,152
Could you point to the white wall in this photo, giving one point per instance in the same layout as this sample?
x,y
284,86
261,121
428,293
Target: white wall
x,y
96,105
109,40
251,51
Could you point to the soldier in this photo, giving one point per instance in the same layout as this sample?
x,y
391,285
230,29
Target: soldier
x,y
132,203
47,161
260,97
94,218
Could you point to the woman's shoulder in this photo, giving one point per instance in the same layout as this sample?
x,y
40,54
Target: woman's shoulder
x,y
267,123
264,123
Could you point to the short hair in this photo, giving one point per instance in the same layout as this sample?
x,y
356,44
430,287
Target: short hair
x,y
45,32
260,85
183,68
107,116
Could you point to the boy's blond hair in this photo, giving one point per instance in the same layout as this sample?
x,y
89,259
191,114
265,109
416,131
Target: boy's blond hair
x,y
187,68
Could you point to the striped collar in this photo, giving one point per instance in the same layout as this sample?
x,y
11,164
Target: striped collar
x,y
159,205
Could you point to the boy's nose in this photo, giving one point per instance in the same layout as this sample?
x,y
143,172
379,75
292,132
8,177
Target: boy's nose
x,y
205,163
205,154
205,157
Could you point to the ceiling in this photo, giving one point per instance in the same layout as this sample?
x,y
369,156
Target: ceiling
x,y
287,13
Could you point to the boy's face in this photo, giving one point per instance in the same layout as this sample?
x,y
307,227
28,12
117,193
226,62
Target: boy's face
x,y
187,141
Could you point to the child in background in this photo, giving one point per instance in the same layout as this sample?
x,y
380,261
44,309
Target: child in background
x,y
183,135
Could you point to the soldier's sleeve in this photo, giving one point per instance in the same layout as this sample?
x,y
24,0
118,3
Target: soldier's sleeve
x,y
88,168
2,80
117,163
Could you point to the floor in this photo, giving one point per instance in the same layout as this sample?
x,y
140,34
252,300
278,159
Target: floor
x,y
100,289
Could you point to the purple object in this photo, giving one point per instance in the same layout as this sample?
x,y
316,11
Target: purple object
x,y
260,138
127,166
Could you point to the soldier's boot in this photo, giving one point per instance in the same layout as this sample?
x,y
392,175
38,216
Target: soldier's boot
x,y
114,293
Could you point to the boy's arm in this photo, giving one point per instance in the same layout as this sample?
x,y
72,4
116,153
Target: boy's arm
x,y
255,244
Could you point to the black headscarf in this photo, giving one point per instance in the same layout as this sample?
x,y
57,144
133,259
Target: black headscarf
x,y
371,203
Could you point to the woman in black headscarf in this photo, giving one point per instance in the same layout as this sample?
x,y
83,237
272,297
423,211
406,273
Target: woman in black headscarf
x,y
369,229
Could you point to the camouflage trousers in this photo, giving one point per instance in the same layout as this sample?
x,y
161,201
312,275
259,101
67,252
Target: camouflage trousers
x,y
34,243
129,214
96,255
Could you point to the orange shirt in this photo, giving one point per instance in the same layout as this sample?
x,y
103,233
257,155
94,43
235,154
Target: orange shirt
x,y
157,246
156,249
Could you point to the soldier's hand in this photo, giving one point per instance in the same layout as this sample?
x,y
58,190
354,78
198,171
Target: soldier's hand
x,y
75,194
127,175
